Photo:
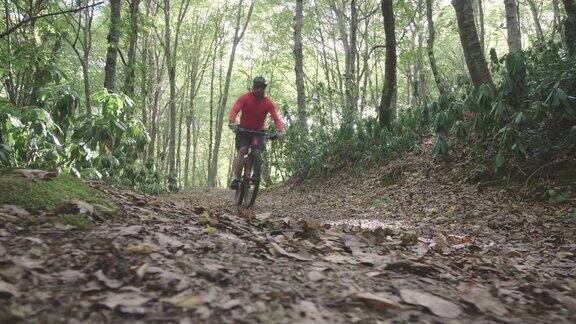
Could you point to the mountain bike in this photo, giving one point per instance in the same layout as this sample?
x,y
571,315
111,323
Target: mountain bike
x,y
245,195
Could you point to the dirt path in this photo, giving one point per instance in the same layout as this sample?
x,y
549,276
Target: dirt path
x,y
431,248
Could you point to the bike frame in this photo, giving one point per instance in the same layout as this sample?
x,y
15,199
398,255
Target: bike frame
x,y
251,166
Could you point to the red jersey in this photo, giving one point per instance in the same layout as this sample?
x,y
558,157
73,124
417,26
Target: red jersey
x,y
254,112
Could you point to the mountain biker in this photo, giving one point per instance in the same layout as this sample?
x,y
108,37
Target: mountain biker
x,y
255,106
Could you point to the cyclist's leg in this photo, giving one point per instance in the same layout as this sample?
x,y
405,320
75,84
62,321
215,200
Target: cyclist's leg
x,y
242,142
242,151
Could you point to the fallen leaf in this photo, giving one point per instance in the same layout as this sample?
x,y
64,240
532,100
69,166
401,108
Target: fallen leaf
x,y
142,248
110,283
283,252
77,206
263,216
124,299
309,312
440,243
70,276
132,230
421,250
437,305
33,174
141,271
339,259
378,301
230,304
482,299
316,276
211,230
191,300
569,303
7,290
167,241
14,210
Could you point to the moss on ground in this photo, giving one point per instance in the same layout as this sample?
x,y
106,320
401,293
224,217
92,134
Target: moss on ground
x,y
80,221
47,195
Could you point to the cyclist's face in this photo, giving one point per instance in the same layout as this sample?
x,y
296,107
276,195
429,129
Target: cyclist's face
x,y
258,90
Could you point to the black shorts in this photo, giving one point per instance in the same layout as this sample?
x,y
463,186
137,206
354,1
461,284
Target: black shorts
x,y
244,139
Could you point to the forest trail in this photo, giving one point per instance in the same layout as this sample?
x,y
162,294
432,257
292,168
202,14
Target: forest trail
x,y
430,249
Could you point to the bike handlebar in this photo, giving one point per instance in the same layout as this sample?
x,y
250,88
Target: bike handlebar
x,y
265,134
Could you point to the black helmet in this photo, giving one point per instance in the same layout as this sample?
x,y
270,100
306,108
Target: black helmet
x,y
261,80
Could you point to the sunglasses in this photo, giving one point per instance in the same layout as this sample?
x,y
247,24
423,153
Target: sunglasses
x,y
258,86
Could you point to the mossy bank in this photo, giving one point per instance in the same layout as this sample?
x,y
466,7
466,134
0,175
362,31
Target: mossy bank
x,y
47,195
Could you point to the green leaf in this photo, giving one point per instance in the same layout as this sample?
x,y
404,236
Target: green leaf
x,y
520,119
500,160
553,196
519,149
15,122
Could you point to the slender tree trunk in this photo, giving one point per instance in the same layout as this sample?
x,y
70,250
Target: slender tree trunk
x,y
172,177
475,60
238,34
195,133
130,66
570,26
536,17
431,57
351,83
189,125
386,107
555,17
482,32
211,104
513,26
112,53
86,48
9,80
159,68
299,67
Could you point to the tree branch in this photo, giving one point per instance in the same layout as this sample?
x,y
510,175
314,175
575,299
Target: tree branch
x,y
27,20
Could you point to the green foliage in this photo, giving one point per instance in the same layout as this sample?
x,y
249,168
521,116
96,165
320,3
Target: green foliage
x,y
323,150
527,116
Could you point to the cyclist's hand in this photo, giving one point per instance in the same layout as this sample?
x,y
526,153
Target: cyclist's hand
x,y
233,126
280,135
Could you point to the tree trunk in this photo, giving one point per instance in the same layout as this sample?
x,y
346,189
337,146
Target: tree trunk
x,y
351,87
189,125
555,16
299,67
195,133
172,177
386,107
537,25
513,26
158,78
86,48
130,66
238,34
570,26
431,57
475,60
112,53
482,32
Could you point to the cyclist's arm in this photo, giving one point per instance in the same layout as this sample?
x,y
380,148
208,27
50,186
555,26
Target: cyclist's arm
x,y
235,110
276,118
